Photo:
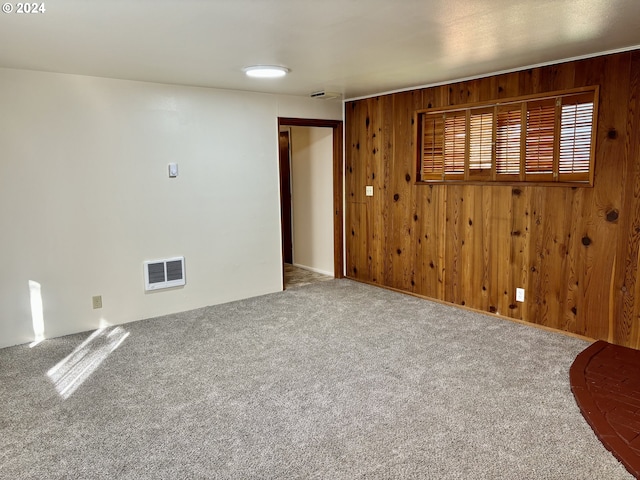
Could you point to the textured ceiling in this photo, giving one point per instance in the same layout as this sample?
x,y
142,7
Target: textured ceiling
x,y
354,47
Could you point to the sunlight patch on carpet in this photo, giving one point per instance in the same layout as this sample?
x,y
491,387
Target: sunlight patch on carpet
x,y
68,374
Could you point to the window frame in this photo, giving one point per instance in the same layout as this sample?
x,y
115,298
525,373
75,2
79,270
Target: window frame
x,y
525,147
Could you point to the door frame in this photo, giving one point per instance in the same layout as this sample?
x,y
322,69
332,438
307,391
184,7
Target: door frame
x,y
338,185
285,194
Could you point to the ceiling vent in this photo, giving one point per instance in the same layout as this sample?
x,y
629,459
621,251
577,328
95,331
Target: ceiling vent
x,y
325,95
164,273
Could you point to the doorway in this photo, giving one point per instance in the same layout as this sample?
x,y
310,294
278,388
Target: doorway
x,y
336,191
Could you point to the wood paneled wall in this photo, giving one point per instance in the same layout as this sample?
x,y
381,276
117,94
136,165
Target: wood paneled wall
x,y
573,249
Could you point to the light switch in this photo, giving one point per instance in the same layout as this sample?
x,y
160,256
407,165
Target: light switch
x,y
173,170
368,190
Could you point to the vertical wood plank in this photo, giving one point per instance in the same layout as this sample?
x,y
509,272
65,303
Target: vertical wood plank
x,y
508,85
554,236
626,327
534,299
429,231
497,222
356,241
472,255
452,249
520,251
381,181
375,153
574,296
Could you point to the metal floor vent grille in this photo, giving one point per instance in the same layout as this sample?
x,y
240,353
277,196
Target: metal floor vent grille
x,y
164,273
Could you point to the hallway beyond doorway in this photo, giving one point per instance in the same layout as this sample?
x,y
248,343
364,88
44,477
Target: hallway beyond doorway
x,y
296,276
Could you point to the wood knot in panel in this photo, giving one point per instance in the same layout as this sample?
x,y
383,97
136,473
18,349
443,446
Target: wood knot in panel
x,y
612,215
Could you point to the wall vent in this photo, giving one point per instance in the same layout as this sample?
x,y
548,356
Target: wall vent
x,y
324,95
164,273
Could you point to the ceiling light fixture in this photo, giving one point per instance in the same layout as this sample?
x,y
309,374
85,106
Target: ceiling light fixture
x,y
266,71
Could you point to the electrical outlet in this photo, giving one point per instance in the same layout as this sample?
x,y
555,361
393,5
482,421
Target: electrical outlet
x,y
368,190
97,301
519,294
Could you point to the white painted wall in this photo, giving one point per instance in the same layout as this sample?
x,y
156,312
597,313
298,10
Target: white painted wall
x,y
312,198
85,196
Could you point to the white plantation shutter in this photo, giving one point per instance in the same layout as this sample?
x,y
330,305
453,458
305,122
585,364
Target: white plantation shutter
x,y
508,140
576,134
480,139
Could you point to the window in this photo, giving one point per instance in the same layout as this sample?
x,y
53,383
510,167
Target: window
x,y
539,139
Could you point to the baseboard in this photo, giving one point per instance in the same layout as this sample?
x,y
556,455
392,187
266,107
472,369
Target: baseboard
x,y
311,269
